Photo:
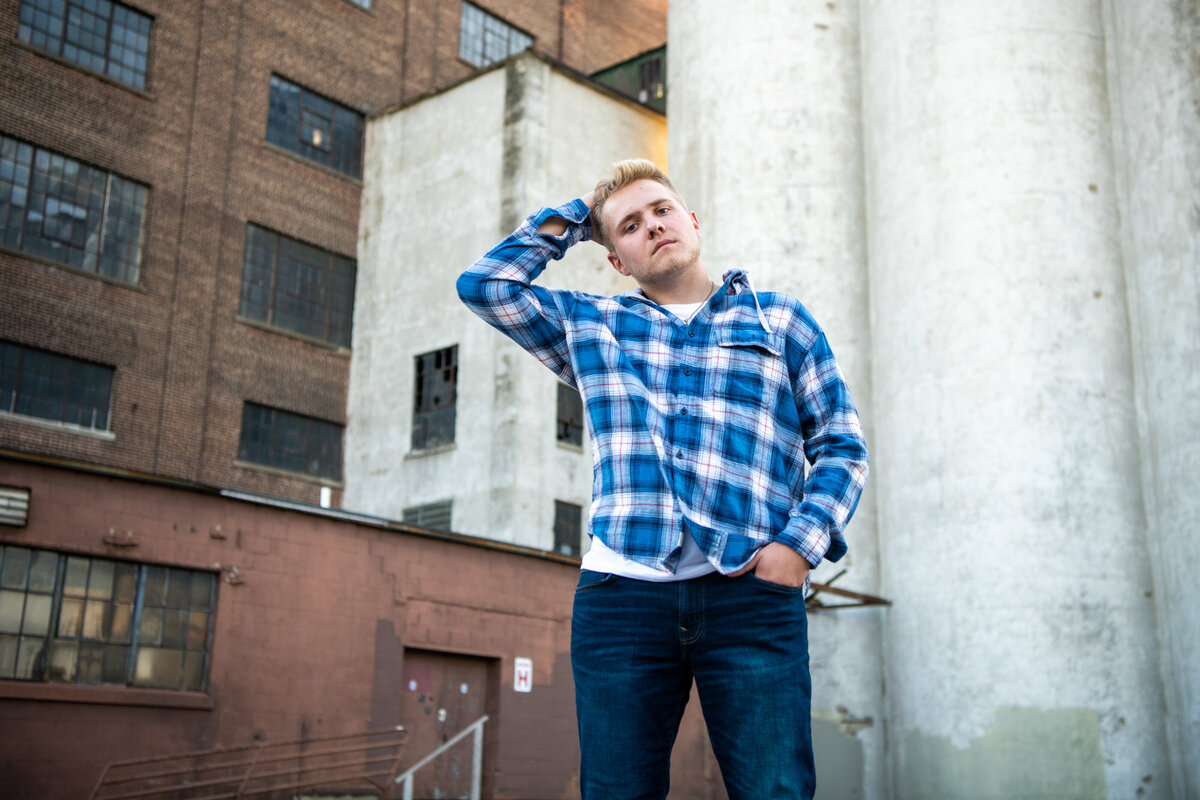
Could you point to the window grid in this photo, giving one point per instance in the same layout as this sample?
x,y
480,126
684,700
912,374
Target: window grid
x,y
568,524
63,210
38,383
292,285
82,620
484,38
291,442
435,398
102,36
314,127
569,426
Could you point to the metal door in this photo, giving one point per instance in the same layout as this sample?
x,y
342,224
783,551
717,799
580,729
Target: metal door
x,y
442,694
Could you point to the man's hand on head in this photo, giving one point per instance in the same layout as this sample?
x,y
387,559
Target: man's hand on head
x,y
778,563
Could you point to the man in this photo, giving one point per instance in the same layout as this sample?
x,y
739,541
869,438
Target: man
x,y
704,400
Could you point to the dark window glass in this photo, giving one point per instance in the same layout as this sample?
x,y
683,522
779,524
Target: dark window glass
x,y
74,619
315,127
37,383
568,519
570,415
64,210
434,400
291,442
484,38
298,287
104,37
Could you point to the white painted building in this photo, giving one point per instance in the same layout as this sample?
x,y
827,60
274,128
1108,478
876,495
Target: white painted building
x,y
993,211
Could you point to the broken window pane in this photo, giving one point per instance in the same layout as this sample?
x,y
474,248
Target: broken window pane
x,y
435,398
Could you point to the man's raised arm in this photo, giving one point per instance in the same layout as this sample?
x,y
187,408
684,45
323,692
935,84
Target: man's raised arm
x,y
499,288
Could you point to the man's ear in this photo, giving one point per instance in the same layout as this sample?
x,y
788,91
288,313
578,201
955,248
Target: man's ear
x,y
695,221
617,265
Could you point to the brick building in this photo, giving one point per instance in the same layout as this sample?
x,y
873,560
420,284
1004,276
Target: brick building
x,y
196,172
179,213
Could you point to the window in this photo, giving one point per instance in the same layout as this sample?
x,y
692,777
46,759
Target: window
x,y
107,38
76,619
570,415
318,129
291,442
61,209
484,38
568,519
436,392
430,515
38,383
297,287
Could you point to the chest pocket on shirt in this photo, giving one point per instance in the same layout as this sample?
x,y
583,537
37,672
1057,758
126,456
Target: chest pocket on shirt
x,y
750,366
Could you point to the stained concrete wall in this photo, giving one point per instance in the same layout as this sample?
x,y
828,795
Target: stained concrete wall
x,y
1006,448
1154,83
765,142
445,179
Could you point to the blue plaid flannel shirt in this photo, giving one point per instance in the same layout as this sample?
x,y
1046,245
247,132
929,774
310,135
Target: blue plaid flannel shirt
x,y
706,425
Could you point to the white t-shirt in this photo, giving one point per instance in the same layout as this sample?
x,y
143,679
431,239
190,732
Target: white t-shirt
x,y
692,562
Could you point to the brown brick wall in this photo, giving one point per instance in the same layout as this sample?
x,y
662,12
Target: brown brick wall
x,y
311,641
184,362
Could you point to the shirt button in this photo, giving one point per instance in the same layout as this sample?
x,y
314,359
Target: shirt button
x,y
679,454
687,370
691,333
683,411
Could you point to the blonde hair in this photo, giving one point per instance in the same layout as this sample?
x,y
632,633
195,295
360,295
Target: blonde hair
x,y
624,173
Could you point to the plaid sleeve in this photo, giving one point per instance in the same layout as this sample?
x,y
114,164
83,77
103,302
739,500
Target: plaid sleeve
x,y
836,451
499,286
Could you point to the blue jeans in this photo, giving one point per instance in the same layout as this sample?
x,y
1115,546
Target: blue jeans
x,y
637,645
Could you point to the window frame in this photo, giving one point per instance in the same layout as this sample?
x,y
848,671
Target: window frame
x,y
430,415
77,607
287,132
276,444
487,23
569,423
566,530
26,34
334,285
40,176
12,392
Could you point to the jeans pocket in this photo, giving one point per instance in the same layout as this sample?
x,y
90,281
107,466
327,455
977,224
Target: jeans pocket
x,y
771,586
592,580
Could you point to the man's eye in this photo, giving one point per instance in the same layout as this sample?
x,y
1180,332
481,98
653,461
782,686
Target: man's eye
x,y
664,210
630,228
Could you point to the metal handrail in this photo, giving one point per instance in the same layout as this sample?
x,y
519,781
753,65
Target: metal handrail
x,y
318,760
475,727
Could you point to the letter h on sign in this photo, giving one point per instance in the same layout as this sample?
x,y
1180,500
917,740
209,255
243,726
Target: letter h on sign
x,y
523,675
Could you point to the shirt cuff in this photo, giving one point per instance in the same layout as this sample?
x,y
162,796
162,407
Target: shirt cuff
x,y
575,212
808,537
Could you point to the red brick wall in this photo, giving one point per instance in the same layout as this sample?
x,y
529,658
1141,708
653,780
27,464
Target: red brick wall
x,y
184,363
311,642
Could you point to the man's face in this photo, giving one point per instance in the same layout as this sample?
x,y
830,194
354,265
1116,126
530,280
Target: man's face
x,y
654,238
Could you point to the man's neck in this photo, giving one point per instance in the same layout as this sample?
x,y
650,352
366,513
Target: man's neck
x,y
694,287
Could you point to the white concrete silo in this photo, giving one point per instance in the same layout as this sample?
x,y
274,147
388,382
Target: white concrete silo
x,y
1154,82
765,145
1020,653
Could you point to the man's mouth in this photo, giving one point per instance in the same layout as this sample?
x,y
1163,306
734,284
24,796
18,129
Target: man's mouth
x,y
661,245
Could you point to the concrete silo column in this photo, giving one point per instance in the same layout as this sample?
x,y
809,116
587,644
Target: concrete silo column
x,y
765,144
1020,654
1154,80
